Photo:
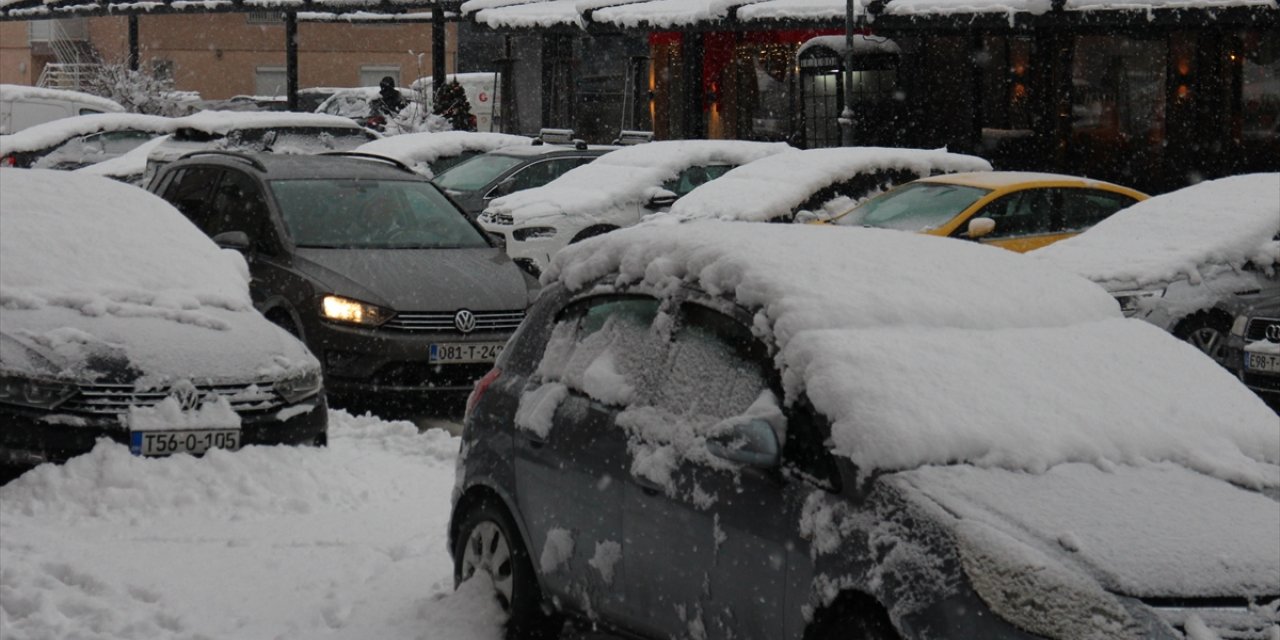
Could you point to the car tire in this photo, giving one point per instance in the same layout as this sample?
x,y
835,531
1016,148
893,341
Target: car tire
x,y
282,318
1206,331
489,541
856,618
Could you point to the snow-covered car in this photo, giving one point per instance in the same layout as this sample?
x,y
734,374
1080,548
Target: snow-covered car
x,y
272,132
1253,349
611,192
432,153
129,167
693,435
22,106
1016,210
475,182
815,184
398,293
79,141
360,104
1187,261
122,321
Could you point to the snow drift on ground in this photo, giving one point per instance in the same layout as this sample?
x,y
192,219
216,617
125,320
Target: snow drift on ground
x,y
937,351
264,543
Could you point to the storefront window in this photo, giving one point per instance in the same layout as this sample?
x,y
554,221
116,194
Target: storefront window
x,y
1260,79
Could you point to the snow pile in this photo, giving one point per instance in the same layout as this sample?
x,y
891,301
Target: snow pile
x,y
419,150
774,186
632,175
505,14
1229,221
55,132
939,352
344,542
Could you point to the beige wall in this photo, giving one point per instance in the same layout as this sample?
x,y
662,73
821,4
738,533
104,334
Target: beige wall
x,y
217,54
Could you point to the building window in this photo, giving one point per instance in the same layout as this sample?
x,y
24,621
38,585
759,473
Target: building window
x,y
269,81
264,17
371,75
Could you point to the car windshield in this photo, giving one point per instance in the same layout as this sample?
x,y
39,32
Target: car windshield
x,y
372,214
914,207
477,172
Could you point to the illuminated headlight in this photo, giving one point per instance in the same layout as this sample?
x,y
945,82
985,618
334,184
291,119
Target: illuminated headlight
x,y
29,392
1131,302
299,387
533,233
1037,593
340,309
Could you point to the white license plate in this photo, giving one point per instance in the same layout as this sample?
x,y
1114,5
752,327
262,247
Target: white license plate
x,y
459,352
1262,362
167,443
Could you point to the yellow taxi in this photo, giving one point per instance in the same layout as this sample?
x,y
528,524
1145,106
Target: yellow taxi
x,y
1016,210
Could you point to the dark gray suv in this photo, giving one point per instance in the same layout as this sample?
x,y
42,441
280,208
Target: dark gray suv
x,y
381,275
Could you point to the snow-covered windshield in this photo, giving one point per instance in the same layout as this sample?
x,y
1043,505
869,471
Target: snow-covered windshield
x,y
914,207
299,139
372,214
477,172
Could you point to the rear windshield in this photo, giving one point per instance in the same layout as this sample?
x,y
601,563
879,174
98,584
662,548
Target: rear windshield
x,y
917,206
372,214
476,173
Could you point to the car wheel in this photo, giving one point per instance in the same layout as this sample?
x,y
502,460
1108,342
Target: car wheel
x,y
488,541
857,618
1206,331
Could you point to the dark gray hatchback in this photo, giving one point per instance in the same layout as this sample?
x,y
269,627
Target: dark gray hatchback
x,y
381,275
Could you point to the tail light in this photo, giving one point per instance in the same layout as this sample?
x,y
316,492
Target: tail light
x,y
9,161
478,390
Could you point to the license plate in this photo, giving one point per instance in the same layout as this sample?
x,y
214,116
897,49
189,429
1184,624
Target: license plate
x,y
167,443
1262,362
460,352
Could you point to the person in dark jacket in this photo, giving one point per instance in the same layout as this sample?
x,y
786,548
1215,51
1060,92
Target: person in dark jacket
x,y
389,102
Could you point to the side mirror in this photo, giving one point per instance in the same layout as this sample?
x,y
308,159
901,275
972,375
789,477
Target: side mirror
x,y
505,187
662,200
237,240
979,227
752,443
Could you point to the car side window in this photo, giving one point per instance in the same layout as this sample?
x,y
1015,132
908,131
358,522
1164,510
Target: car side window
x,y
238,205
1026,212
714,369
693,177
540,173
602,347
190,192
1083,208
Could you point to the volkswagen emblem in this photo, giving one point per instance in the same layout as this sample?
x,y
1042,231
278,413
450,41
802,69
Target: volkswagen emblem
x,y
465,321
186,395
1273,332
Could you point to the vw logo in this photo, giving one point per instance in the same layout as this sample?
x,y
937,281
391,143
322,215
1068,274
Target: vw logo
x,y
186,395
1273,332
465,321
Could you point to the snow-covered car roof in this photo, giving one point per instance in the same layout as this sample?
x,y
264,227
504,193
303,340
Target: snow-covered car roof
x,y
628,175
88,263
17,92
1229,221
354,102
419,149
128,166
222,122
775,185
55,132
924,350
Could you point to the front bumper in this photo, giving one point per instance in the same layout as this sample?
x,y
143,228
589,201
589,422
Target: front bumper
x,y
1266,385
33,436
533,255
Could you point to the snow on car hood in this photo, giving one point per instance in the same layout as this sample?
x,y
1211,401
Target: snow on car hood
x,y
924,350
419,150
1156,530
55,132
91,266
632,175
775,186
421,279
1229,221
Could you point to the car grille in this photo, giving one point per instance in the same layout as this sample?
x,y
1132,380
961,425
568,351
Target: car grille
x,y
110,399
1229,618
1257,328
505,321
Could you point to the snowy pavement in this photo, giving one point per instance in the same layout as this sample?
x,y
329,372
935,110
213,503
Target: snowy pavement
x,y
266,542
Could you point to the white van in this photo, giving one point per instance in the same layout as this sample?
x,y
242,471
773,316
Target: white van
x,y
22,106
482,89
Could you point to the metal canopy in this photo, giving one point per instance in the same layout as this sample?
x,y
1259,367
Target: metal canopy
x,y
54,9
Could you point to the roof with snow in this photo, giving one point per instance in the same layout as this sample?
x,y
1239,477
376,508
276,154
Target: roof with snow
x,y
55,132
1229,221
774,186
313,10
425,148
931,354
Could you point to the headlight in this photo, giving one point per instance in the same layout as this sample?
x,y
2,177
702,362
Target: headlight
x,y
1033,591
1237,327
299,387
1131,302
340,309
533,233
29,392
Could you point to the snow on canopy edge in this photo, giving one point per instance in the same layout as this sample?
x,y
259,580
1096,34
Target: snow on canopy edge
x,y
900,361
